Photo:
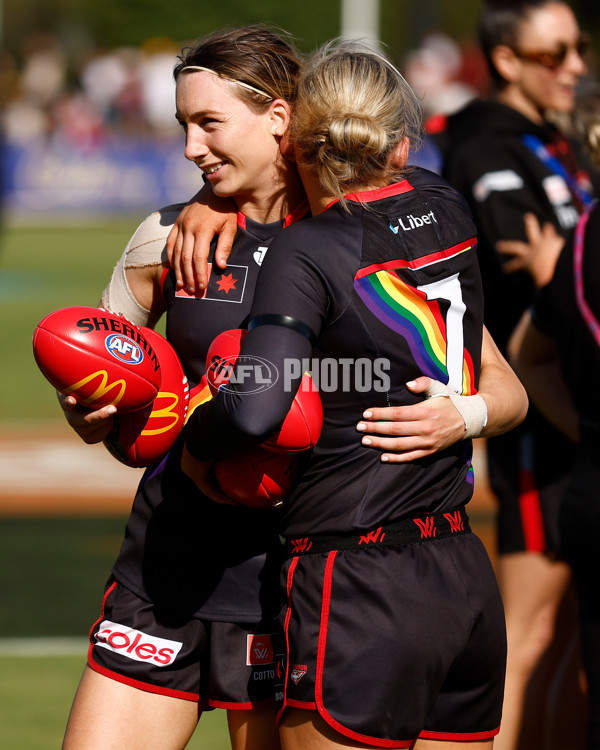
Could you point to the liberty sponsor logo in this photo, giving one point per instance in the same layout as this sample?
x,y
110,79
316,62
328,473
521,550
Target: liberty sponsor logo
x,y
136,645
259,650
297,672
124,349
410,222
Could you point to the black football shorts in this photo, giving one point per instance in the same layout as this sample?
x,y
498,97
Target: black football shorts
x,y
394,643
528,472
217,664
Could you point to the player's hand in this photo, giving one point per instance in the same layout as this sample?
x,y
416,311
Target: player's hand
x,y
200,472
91,426
538,255
188,243
413,431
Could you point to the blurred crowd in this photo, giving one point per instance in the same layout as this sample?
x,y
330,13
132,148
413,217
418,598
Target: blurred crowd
x,y
129,91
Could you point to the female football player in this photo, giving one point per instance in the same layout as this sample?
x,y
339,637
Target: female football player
x,y
393,622
195,582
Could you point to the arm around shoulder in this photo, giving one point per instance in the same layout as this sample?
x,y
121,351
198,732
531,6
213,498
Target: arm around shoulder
x,y
501,389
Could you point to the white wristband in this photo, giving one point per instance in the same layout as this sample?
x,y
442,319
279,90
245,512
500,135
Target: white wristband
x,y
472,409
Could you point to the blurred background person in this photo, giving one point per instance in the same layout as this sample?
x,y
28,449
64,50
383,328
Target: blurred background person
x,y
556,350
515,167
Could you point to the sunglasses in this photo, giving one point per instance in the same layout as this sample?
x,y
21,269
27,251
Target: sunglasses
x,y
553,60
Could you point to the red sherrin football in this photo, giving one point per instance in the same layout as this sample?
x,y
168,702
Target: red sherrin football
x,y
221,357
302,426
258,478
98,357
143,438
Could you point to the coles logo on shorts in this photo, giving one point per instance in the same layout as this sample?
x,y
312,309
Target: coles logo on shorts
x,y
137,645
124,349
259,650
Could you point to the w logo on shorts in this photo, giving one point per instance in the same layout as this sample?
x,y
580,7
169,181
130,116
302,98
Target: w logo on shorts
x,y
455,521
259,650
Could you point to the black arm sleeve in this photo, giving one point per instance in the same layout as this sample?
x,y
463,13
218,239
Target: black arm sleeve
x,y
246,413
274,355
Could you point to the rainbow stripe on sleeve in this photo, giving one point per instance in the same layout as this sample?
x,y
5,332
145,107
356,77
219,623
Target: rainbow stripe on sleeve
x,y
408,312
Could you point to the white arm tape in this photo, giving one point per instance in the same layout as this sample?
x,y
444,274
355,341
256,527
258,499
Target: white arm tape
x,y
147,247
472,409
119,298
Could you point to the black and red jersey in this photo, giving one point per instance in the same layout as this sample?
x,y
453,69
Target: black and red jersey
x,y
568,310
506,165
182,550
366,300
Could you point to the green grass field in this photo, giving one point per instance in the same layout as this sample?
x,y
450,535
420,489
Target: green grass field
x,y
41,270
36,694
52,570
52,573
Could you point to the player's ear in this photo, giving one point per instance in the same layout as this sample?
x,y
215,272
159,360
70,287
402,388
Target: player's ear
x,y
400,154
506,62
286,147
279,114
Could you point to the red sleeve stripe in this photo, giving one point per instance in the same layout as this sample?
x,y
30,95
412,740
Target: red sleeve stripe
x,y
423,262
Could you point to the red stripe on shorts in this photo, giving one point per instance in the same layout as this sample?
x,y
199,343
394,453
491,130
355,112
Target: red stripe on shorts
x,y
344,731
530,508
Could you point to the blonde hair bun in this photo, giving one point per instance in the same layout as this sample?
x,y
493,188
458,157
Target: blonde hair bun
x,y
352,108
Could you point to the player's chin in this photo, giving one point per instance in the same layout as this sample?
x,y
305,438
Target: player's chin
x,y
564,100
224,188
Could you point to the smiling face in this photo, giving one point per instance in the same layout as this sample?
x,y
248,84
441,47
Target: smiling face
x,y
236,147
532,87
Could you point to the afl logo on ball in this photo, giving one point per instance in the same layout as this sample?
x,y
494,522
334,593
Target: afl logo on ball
x,y
124,349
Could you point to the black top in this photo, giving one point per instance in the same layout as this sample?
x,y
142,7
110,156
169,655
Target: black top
x,y
505,165
390,290
182,550
568,310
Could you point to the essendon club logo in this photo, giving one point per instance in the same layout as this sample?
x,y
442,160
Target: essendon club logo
x,y
259,650
297,672
124,349
226,285
136,645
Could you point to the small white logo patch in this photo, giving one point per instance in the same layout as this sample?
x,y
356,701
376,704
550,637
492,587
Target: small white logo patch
x,y
501,181
259,255
134,644
556,189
